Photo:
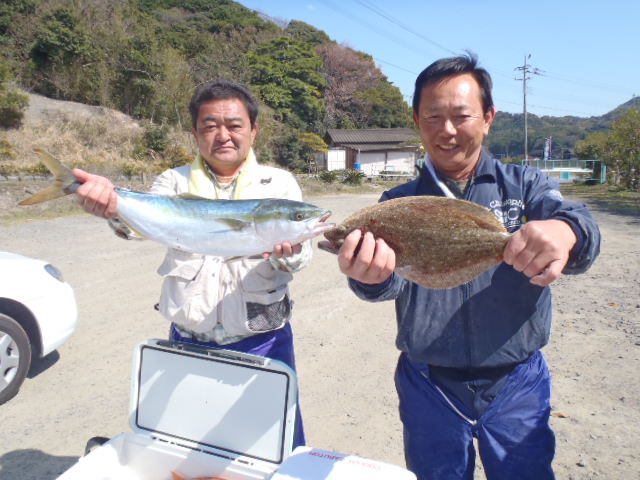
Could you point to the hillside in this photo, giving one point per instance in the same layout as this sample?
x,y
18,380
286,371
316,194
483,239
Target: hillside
x,y
507,134
143,57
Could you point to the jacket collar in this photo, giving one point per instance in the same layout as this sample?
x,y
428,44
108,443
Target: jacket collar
x,y
486,168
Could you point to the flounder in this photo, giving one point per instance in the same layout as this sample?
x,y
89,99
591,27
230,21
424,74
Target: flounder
x,y
439,242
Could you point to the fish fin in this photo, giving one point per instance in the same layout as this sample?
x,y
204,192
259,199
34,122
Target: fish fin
x,y
124,230
234,223
177,476
449,279
63,184
329,246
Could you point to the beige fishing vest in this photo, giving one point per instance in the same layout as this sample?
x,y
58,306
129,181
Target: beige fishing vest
x,y
224,301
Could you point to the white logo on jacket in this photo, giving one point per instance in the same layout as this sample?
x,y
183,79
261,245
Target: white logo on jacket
x,y
509,212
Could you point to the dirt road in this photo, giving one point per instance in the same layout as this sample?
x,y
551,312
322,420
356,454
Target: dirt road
x,y
345,349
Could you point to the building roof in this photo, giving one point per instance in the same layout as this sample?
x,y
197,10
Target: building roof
x,y
368,136
369,147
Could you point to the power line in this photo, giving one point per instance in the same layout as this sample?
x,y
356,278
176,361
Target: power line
x,y
610,88
403,26
387,35
396,66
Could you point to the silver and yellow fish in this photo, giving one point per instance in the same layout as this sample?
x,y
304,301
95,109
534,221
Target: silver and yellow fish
x,y
227,228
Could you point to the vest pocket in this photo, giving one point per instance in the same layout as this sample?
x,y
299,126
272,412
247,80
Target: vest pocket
x,y
263,317
182,300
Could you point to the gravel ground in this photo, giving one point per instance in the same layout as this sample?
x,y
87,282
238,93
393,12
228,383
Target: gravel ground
x,y
345,348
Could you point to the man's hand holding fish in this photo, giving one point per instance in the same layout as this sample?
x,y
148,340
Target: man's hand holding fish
x,y
540,250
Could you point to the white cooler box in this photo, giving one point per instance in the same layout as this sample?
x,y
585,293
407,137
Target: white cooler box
x,y
215,413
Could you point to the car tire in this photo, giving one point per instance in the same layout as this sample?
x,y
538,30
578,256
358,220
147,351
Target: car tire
x,y
15,357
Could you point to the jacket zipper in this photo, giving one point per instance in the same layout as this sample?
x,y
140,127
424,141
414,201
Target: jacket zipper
x,y
465,293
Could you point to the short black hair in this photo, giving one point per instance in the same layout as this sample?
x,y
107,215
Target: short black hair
x,y
450,67
222,90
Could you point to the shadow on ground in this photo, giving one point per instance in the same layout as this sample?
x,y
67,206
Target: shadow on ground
x,y
30,464
41,364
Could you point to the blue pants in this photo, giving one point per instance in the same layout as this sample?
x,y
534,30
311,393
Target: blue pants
x,y
276,344
514,437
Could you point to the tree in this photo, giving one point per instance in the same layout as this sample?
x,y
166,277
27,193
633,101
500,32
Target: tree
x,y
12,103
624,156
619,148
62,47
286,75
312,145
358,94
592,147
383,106
172,90
306,33
9,9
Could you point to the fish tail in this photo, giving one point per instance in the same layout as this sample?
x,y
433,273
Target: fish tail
x,y
64,183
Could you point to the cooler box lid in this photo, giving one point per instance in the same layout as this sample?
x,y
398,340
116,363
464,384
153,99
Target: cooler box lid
x,y
223,402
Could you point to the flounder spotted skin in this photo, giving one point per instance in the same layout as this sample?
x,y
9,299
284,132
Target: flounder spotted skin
x,y
439,242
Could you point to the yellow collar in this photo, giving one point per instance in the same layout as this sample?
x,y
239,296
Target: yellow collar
x,y
202,185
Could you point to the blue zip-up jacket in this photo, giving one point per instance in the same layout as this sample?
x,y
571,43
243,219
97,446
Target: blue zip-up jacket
x,y
499,318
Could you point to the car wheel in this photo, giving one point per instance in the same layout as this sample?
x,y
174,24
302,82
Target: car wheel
x,y
15,357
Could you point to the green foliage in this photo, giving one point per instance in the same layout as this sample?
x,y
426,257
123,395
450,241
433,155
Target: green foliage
x,y
306,33
9,9
358,94
144,57
214,16
38,170
594,146
291,152
286,74
314,143
156,137
60,40
619,148
12,103
131,170
622,153
175,156
506,137
135,83
328,176
353,177
383,106
7,157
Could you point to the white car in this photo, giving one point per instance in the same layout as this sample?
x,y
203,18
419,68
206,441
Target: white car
x,y
38,313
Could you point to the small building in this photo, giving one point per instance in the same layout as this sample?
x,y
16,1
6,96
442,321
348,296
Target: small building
x,y
571,169
372,150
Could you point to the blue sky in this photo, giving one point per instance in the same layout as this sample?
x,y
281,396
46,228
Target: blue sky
x,y
587,51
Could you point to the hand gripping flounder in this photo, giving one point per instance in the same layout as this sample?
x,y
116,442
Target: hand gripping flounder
x,y
439,242
226,228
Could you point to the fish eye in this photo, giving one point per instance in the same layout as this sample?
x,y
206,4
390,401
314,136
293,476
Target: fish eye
x,y
299,216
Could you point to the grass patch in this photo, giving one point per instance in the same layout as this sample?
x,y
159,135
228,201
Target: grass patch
x,y
606,197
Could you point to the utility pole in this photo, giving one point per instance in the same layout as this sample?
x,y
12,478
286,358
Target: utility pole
x,y
526,70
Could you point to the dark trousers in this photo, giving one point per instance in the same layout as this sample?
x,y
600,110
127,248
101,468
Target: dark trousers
x,y
511,424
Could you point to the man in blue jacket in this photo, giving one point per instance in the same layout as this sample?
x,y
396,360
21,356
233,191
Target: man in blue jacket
x,y
470,363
